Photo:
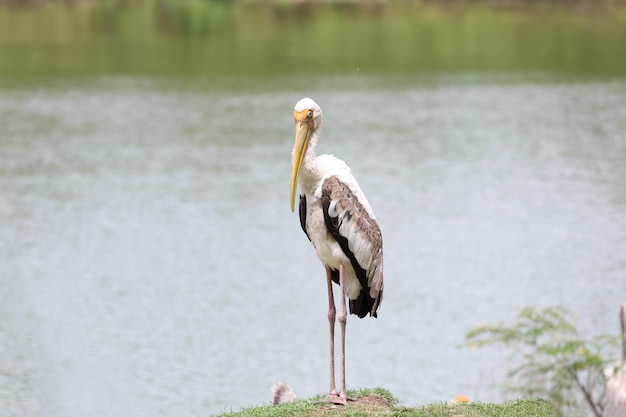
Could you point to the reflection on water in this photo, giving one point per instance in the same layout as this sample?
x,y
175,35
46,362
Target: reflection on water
x,y
223,38
151,264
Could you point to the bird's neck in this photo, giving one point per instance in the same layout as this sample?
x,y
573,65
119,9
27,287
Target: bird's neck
x,y
310,174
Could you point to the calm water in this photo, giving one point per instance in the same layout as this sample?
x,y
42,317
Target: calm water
x,y
151,265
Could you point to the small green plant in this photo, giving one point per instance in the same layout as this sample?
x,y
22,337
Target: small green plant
x,y
551,360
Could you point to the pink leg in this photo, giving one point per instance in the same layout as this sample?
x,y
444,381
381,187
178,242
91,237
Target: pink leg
x,y
331,321
343,318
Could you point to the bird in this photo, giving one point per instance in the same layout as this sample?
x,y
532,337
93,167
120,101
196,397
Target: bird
x,y
615,384
282,393
340,223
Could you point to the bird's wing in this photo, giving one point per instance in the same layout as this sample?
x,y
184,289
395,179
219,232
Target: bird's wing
x,y
302,214
353,226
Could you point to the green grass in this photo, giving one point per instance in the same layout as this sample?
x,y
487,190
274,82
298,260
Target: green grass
x,y
380,402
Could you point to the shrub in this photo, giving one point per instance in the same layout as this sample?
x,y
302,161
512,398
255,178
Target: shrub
x,y
551,359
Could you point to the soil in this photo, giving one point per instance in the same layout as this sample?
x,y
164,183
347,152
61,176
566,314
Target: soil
x,y
368,403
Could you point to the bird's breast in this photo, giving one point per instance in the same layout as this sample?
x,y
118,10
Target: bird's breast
x,y
327,248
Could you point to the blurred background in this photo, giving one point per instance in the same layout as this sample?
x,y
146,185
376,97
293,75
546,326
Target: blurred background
x,y
217,38
149,262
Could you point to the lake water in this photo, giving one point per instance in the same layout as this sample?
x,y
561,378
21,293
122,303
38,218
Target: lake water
x,y
151,265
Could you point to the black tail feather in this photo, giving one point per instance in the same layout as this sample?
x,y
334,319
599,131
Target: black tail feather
x,y
363,305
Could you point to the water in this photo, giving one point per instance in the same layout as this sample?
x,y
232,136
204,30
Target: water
x,y
151,265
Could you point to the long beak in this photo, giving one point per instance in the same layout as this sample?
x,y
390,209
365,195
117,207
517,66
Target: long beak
x,y
299,149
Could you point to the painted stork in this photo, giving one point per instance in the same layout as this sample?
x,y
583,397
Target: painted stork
x,y
340,223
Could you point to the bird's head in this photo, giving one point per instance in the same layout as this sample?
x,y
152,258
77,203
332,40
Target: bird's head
x,y
308,117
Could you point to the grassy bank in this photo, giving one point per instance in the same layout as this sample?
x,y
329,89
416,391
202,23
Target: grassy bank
x,y
380,402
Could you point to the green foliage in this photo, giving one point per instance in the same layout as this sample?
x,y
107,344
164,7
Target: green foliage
x,y
218,38
550,359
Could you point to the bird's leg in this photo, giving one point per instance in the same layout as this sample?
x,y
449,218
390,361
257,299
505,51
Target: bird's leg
x,y
343,318
331,321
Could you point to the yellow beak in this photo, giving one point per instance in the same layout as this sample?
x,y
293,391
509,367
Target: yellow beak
x,y
303,133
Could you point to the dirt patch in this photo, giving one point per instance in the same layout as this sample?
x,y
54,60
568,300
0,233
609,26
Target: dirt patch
x,y
367,404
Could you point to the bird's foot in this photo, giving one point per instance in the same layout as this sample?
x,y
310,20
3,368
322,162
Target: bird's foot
x,y
338,399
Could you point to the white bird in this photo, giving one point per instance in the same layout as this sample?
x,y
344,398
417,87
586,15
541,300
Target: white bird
x,y
340,223
282,393
615,389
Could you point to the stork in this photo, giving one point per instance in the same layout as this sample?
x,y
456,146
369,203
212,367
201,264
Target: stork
x,y
340,223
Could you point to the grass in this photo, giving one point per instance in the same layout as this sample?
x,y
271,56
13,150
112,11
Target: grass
x,y
379,402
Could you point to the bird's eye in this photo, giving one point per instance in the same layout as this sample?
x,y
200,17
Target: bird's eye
x,y
310,114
